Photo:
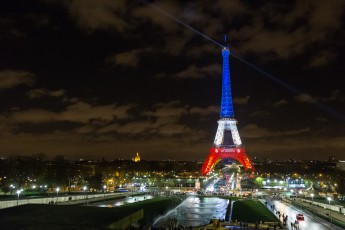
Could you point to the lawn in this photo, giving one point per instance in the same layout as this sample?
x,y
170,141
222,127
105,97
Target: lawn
x,y
251,211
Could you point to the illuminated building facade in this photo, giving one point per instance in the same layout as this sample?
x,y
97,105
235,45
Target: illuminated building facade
x,y
136,158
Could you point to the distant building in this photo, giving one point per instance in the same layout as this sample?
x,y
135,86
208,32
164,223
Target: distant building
x,y
197,184
136,158
341,165
332,159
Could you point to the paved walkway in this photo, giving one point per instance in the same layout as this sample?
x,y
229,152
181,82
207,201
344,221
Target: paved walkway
x,y
109,196
234,226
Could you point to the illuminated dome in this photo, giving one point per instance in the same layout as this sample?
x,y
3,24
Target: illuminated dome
x,y
136,158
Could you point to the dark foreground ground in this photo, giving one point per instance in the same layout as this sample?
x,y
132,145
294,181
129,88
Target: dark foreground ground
x,y
40,216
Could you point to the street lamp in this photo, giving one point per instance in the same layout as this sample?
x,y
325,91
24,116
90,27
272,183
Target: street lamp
x,y
330,211
57,194
12,187
312,201
18,192
104,187
85,192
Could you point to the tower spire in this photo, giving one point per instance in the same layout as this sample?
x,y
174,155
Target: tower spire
x,y
226,108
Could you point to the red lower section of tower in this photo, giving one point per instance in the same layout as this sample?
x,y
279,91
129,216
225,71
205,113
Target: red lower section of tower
x,y
217,154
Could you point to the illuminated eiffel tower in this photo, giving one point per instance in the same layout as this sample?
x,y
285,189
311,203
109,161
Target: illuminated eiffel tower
x,y
223,147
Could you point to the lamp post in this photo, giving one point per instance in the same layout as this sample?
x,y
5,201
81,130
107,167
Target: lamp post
x,y
85,193
312,202
104,187
12,187
57,194
18,192
330,211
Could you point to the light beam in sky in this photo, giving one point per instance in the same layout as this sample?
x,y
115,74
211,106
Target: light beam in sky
x,y
292,89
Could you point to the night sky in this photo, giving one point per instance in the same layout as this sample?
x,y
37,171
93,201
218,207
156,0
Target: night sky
x,y
109,78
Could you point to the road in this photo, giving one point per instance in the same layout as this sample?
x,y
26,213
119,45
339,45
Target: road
x,y
310,222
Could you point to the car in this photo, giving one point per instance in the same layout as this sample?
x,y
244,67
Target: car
x,y
299,217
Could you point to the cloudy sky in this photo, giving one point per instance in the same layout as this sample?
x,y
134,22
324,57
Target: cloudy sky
x,y
109,78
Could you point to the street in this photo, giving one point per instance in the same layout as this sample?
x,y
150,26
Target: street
x,y
310,222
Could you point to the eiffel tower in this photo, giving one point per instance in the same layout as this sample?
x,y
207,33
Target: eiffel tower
x,y
226,146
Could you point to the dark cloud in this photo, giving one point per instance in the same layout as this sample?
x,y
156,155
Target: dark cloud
x,y
102,14
37,93
283,34
253,131
205,111
128,58
13,78
200,72
157,17
280,102
305,98
241,100
322,58
260,113
81,112
117,77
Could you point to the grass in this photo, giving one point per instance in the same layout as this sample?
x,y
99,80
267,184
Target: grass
x,y
251,211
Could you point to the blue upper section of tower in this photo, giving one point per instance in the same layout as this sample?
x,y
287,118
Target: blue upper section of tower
x,y
226,108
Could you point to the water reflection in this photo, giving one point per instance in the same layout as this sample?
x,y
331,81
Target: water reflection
x,y
120,202
195,211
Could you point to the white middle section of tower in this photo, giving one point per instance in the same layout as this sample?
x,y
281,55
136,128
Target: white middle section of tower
x,y
227,124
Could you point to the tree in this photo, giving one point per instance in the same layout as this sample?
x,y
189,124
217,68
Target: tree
x,y
96,181
341,186
5,189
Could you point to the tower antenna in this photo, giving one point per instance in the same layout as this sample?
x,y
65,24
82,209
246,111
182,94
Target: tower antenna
x,y
225,42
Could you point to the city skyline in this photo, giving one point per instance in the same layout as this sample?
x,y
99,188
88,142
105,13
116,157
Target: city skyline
x,y
92,79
